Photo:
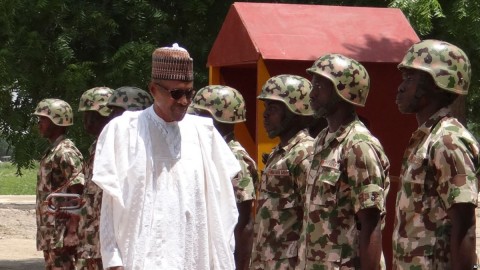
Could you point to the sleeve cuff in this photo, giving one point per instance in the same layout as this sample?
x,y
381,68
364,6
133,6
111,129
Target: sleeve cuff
x,y
112,259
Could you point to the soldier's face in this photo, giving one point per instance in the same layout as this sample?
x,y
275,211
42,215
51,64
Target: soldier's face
x,y
45,126
116,111
408,100
323,97
273,118
165,106
93,122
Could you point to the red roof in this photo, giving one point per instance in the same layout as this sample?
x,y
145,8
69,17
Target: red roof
x,y
305,32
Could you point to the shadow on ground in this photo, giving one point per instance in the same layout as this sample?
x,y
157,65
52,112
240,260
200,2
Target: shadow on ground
x,y
30,264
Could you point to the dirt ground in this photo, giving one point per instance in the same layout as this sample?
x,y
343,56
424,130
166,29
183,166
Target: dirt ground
x,y
17,239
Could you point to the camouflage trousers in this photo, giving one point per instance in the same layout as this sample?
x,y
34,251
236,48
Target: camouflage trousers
x,y
419,263
59,259
281,264
89,264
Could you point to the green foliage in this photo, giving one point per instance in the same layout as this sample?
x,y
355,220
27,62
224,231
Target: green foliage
x,y
13,184
60,48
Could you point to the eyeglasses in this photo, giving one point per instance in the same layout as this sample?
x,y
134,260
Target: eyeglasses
x,y
177,94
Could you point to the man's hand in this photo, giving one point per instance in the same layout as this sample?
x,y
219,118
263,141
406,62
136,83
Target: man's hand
x,y
462,239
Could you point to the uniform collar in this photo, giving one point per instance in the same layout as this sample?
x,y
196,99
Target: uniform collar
x,y
293,141
433,120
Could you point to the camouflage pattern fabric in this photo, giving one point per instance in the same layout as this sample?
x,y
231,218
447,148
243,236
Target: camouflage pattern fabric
x,y
439,169
349,77
59,258
244,182
96,99
56,110
225,104
130,99
448,65
349,172
89,225
292,90
60,163
278,220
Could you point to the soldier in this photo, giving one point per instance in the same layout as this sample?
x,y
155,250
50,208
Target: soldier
x,y
226,107
348,179
60,171
128,98
93,103
435,210
279,213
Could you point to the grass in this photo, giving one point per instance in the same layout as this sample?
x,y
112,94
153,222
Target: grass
x,y
11,184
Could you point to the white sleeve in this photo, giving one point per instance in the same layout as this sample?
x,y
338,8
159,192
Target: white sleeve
x,y
110,252
105,171
228,167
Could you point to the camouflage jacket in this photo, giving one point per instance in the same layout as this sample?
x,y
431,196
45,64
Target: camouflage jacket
x,y
280,209
89,226
244,182
349,172
438,170
61,163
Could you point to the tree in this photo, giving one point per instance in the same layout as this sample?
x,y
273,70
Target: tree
x,y
60,48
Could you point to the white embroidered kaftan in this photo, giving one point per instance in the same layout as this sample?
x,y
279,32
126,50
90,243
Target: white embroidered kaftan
x,y
168,202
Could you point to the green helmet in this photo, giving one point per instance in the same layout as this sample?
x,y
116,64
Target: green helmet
x,y
349,77
96,99
57,110
292,90
225,104
446,63
130,98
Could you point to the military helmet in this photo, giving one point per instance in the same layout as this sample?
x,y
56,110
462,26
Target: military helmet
x,y
96,99
349,77
57,110
292,90
225,104
130,98
446,63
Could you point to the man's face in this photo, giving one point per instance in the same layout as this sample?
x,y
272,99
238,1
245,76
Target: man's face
x,y
165,106
323,97
94,122
45,126
406,100
116,111
273,118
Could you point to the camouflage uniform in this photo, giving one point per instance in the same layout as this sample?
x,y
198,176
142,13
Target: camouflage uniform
x,y
279,214
60,168
244,181
349,172
439,167
59,164
439,170
88,251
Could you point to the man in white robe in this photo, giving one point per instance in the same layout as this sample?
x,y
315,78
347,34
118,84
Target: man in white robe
x,y
168,202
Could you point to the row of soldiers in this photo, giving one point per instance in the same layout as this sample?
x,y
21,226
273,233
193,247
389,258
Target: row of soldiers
x,y
320,201
71,241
